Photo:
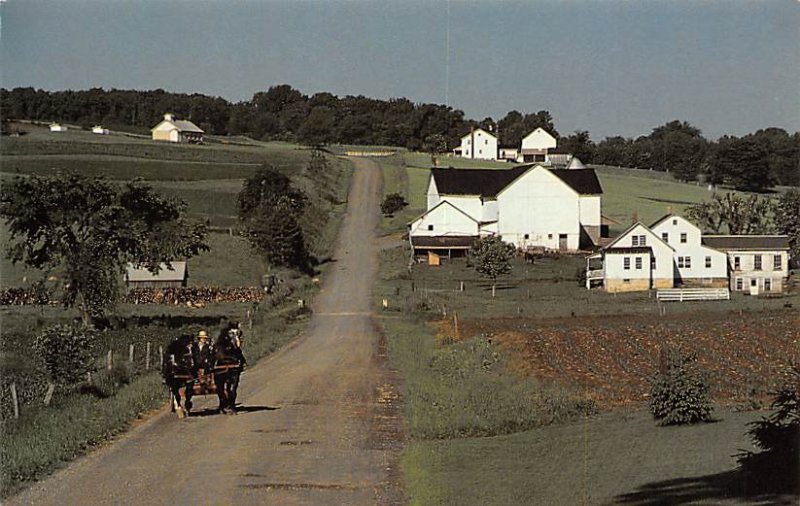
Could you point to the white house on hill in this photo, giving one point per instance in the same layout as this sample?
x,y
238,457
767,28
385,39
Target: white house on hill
x,y
673,252
527,206
173,130
478,145
535,147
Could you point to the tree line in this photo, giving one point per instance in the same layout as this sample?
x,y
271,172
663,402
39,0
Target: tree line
x,y
756,161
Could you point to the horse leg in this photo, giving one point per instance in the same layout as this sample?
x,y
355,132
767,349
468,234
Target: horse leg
x,y
187,392
176,400
233,387
219,382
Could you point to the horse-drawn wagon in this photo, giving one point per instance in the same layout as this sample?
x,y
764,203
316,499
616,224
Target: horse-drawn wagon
x,y
193,367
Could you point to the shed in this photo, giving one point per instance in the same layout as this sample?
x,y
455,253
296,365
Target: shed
x,y
172,275
57,127
174,130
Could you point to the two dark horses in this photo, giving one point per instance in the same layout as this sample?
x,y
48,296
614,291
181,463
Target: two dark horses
x,y
184,368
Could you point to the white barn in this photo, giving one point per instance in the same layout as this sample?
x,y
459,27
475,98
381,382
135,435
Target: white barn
x,y
527,206
478,144
535,147
173,130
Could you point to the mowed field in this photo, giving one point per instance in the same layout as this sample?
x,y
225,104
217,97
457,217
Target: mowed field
x,y
547,334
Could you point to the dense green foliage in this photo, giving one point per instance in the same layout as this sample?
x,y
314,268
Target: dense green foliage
x,y
755,161
392,203
491,257
679,392
88,229
776,467
269,209
68,352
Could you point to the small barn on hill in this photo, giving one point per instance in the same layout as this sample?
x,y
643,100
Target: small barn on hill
x,y
174,130
57,127
172,275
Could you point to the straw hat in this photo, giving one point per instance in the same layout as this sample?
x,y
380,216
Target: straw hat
x,y
202,334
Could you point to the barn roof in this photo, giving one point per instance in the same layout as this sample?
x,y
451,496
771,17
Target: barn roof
x,y
176,273
489,182
746,242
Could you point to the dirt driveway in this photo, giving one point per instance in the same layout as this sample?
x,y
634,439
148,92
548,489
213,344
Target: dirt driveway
x,y
315,427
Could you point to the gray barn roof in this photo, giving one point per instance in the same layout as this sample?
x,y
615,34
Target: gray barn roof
x,y
746,242
141,274
490,182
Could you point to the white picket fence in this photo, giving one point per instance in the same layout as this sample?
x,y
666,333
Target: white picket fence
x,y
687,294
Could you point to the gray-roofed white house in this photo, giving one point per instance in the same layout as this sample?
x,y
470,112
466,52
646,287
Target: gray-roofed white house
x,y
174,275
757,263
174,130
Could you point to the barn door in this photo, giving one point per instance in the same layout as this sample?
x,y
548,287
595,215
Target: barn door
x,y
562,242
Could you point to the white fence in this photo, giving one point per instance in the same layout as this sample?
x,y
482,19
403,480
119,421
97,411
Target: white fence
x,y
682,294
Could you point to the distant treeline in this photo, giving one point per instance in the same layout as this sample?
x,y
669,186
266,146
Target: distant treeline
x,y
755,161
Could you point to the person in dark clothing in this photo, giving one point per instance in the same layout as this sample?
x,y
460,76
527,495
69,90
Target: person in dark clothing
x,y
203,353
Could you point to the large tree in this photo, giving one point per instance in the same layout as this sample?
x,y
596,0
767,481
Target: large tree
x,y
787,220
87,229
269,209
733,214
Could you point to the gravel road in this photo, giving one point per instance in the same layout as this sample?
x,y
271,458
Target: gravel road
x,y
318,422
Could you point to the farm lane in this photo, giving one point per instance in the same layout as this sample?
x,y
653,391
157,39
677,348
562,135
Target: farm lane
x,y
306,431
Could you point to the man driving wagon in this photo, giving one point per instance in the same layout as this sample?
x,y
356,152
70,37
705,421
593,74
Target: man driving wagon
x,y
199,367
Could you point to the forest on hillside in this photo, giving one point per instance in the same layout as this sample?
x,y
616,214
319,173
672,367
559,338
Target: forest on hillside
x,y
757,161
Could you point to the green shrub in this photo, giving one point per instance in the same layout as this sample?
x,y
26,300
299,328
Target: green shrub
x,y
67,352
776,468
393,203
679,391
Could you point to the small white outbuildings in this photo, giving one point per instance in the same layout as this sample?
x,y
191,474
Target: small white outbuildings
x,y
99,130
57,127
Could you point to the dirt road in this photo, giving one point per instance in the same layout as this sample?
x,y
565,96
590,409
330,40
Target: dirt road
x,y
315,427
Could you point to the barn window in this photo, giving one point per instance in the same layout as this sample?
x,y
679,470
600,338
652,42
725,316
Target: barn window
x,y
688,262
708,262
635,240
767,285
430,227
549,236
680,262
638,262
776,263
757,262
737,263
739,284
626,263
665,236
683,237
674,222
642,240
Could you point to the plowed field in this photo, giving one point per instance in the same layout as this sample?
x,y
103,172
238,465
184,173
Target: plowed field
x,y
611,359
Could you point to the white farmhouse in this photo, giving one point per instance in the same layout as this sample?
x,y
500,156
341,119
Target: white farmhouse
x,y
57,127
479,144
695,263
527,206
535,147
673,252
173,130
757,263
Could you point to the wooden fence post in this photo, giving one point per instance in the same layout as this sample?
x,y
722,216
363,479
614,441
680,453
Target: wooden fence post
x,y
130,353
48,396
455,324
147,357
15,399
108,360
89,377
160,357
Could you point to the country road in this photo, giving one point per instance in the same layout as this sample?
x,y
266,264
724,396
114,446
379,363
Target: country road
x,y
317,423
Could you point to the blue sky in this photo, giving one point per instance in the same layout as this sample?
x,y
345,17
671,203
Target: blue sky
x,y
607,66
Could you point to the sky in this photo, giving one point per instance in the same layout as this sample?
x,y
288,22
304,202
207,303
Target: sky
x,y
611,67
